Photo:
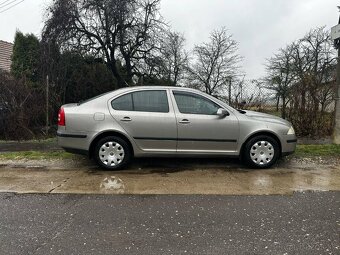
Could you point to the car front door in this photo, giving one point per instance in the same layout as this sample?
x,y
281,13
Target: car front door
x,y
200,129
148,118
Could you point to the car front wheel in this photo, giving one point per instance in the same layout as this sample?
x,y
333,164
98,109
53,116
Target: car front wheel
x,y
261,152
112,153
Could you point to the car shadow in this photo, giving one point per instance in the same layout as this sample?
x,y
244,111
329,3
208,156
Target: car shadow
x,y
172,165
163,166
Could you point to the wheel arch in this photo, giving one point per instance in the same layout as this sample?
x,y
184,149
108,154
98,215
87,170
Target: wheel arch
x,y
259,133
106,134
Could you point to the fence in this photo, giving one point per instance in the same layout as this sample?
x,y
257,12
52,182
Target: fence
x,y
311,109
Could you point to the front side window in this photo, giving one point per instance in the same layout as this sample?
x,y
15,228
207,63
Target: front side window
x,y
189,103
142,101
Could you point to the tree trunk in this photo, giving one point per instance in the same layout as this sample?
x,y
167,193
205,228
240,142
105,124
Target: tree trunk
x,y
129,72
283,113
116,75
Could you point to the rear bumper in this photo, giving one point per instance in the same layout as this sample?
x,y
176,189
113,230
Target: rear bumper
x,y
59,134
71,142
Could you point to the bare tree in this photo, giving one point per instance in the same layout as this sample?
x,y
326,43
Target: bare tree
x,y
167,65
313,58
303,76
216,62
281,77
174,56
22,115
123,32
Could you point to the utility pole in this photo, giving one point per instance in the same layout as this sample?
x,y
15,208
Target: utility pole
x,y
336,38
230,91
337,104
47,104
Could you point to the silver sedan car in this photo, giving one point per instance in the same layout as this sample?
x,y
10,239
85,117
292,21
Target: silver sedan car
x,y
170,121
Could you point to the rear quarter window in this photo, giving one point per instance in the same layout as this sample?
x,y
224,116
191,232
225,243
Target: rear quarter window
x,y
123,103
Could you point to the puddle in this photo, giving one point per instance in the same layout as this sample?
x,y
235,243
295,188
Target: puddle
x,y
210,177
113,185
36,167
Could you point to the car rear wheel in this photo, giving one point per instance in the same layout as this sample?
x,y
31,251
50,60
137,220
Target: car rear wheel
x,y
112,153
261,152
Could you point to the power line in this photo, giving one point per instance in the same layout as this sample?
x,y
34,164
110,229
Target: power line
x,y
12,6
4,4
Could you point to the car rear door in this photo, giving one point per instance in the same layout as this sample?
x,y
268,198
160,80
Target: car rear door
x,y
200,129
148,117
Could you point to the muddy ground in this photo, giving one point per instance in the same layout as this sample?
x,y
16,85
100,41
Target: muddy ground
x,y
170,176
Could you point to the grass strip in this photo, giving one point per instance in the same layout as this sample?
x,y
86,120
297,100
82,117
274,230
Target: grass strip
x,y
36,155
318,150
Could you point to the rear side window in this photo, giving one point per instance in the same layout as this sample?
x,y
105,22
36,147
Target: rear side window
x,y
143,101
189,103
150,101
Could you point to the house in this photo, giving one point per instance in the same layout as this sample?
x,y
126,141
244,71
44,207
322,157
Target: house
x,y
6,50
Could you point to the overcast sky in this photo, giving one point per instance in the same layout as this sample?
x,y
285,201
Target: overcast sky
x,y
260,26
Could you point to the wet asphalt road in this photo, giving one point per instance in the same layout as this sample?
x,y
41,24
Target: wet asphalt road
x,y
305,223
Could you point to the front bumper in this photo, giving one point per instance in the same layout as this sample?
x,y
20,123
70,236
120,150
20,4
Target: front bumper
x,y
288,144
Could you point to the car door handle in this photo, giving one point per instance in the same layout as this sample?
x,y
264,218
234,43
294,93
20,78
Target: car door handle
x,y
126,119
184,121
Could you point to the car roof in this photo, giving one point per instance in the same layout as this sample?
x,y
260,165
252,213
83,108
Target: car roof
x,y
127,89
118,92
156,87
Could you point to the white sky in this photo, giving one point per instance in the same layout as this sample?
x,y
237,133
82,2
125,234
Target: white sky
x,y
260,26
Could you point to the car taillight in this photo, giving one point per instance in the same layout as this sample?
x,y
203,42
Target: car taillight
x,y
61,117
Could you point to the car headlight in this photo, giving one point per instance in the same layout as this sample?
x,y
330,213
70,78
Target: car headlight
x,y
291,131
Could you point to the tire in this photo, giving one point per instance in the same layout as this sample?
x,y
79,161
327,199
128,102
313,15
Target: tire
x,y
112,153
261,152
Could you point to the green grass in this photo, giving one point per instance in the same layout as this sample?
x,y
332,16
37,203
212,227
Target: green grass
x,y
318,150
36,155
44,141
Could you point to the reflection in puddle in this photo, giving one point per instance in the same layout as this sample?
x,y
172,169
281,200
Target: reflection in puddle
x,y
262,181
279,181
113,185
312,180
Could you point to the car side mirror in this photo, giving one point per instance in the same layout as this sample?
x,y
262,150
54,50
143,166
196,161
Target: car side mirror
x,y
222,112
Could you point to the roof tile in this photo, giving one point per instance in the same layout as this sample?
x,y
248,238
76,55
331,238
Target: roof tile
x,y
6,50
